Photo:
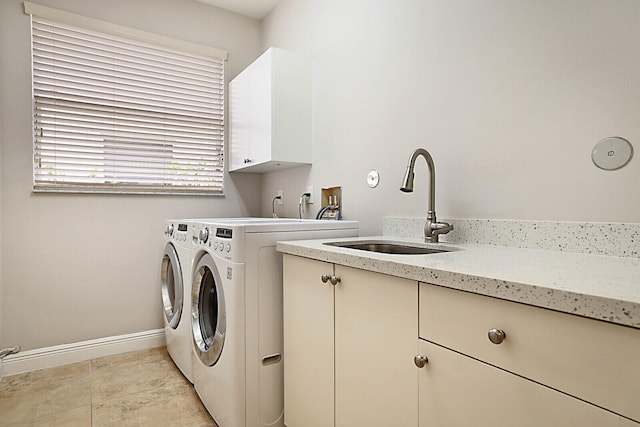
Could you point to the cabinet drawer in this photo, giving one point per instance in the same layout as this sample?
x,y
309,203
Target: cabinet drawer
x,y
592,360
456,390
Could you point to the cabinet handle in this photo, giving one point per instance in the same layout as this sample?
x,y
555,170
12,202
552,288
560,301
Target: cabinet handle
x,y
333,279
420,361
496,336
247,160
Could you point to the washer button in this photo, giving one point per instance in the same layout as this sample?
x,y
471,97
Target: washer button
x,y
228,247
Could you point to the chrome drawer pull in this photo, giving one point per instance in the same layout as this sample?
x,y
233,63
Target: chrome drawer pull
x,y
420,361
496,336
333,279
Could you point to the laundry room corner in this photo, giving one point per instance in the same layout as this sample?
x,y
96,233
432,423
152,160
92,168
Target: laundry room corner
x,y
82,267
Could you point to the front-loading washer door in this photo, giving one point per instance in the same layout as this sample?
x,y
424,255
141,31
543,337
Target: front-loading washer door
x,y
172,286
208,321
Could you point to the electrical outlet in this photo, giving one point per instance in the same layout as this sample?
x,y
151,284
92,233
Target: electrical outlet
x,y
310,191
280,194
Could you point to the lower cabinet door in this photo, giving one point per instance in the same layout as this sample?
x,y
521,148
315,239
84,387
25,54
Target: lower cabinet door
x,y
308,343
376,326
456,390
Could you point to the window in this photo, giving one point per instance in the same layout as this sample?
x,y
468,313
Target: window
x,y
114,112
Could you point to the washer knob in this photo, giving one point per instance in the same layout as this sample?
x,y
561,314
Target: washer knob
x,y
204,234
496,336
169,230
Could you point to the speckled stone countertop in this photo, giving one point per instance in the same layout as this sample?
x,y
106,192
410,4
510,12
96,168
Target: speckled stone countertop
x,y
595,286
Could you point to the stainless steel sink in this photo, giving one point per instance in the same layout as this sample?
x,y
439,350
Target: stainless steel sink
x,y
390,247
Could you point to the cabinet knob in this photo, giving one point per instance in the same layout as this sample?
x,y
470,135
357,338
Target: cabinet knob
x,y
496,336
420,361
333,279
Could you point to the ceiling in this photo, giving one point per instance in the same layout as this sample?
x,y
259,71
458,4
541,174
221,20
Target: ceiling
x,y
256,9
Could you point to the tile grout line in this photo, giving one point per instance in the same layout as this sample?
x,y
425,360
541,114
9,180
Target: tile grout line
x,y
91,389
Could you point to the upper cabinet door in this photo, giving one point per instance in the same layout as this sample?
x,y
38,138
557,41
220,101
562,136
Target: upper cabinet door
x,y
270,113
261,101
239,120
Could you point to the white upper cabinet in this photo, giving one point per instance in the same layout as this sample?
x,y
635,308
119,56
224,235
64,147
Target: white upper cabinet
x,y
270,113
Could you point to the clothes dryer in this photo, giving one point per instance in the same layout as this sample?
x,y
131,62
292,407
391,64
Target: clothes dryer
x,y
237,315
175,280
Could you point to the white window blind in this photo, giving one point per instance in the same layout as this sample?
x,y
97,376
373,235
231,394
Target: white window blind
x,y
116,114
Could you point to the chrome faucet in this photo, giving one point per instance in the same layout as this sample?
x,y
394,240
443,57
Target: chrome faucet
x,y
432,228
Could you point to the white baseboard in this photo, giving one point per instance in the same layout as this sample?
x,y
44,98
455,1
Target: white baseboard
x,y
50,357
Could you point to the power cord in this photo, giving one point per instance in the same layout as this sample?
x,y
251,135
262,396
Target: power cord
x,y
273,206
304,195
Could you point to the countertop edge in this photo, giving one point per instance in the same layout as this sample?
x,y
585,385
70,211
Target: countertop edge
x,y
626,313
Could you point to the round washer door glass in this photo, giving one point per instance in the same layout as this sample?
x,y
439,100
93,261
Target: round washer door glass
x,y
172,286
208,311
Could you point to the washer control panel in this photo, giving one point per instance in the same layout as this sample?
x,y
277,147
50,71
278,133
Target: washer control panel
x,y
217,238
177,232
222,242
221,246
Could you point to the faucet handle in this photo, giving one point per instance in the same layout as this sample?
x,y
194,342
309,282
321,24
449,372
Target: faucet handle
x,y
441,227
433,229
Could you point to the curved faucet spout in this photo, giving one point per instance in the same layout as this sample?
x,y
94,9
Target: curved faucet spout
x,y
432,228
407,185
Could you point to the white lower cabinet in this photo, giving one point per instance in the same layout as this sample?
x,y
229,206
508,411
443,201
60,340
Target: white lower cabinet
x,y
349,351
348,347
594,361
375,333
308,344
458,391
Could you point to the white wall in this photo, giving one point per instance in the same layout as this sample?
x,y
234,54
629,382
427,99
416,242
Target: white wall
x,y
508,96
2,49
79,267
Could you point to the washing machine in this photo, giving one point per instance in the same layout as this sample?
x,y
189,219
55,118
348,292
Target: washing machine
x,y
237,315
175,280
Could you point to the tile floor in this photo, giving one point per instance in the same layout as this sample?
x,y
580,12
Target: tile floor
x,y
142,388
